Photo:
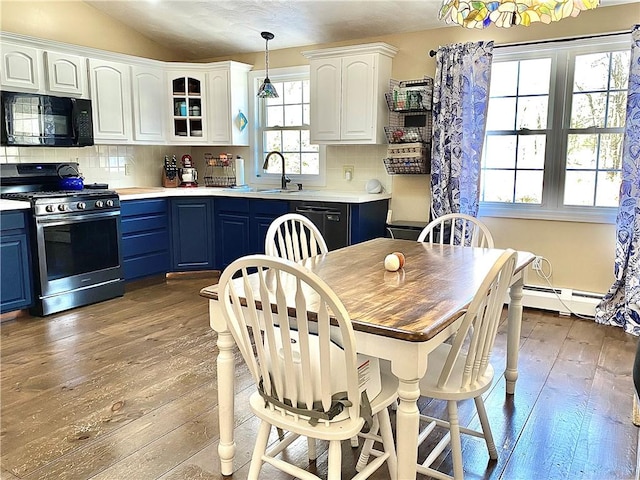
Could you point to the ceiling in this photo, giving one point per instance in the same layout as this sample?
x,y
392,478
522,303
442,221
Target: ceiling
x,y
216,28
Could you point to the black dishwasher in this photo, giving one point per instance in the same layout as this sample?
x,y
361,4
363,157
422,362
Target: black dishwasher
x,y
332,219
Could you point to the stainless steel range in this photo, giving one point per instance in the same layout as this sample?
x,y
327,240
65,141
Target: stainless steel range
x,y
75,237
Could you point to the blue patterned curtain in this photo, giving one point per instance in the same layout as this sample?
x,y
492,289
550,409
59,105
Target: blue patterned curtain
x,y
621,305
460,99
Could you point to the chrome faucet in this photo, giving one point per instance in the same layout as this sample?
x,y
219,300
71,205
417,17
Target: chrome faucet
x,y
284,180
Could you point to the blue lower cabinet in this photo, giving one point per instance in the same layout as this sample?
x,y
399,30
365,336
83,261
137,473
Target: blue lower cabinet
x,y
368,220
145,238
232,226
16,291
262,213
192,233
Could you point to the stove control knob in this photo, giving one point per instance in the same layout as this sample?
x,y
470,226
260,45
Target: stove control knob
x,y
99,203
81,205
109,203
62,207
49,208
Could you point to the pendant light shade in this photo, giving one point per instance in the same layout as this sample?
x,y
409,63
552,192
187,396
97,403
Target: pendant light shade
x,y
506,13
267,90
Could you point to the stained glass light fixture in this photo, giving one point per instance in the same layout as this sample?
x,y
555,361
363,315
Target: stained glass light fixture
x,y
267,90
506,13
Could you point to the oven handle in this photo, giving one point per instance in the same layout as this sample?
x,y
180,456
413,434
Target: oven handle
x,y
75,217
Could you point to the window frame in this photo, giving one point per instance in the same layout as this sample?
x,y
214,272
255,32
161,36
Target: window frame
x,y
256,113
563,54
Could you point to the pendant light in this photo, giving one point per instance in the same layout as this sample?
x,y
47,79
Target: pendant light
x,y
267,90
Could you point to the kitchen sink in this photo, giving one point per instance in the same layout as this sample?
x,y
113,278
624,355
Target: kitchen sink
x,y
277,190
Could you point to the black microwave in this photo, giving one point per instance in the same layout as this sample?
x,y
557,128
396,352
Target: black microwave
x,y
32,120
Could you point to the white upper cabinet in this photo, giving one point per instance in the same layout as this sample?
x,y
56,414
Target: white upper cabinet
x,y
21,67
188,106
111,98
66,74
149,99
347,93
227,97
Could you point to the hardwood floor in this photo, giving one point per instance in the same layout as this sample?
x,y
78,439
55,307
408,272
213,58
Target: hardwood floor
x,y
125,389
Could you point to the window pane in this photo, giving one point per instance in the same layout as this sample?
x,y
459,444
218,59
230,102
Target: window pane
x,y
531,151
582,151
611,151
293,115
291,141
501,114
617,111
591,72
608,191
292,163
310,163
305,92
272,141
305,142
620,70
532,112
292,92
497,185
588,110
305,115
529,186
275,116
500,151
534,76
579,188
504,79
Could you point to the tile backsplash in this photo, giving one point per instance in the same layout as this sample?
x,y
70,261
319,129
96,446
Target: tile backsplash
x,y
141,165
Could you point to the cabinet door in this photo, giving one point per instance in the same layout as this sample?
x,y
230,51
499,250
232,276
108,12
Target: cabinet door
x,y
15,274
148,104
188,107
325,80
192,234
66,74
262,214
232,230
111,95
20,67
219,107
358,102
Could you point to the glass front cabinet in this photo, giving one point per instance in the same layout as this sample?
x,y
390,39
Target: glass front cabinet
x,y
188,107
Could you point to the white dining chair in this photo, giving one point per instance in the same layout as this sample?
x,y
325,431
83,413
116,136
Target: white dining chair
x,y
304,364
461,370
457,229
294,237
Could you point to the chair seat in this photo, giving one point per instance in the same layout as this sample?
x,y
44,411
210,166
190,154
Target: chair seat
x,y
341,427
429,382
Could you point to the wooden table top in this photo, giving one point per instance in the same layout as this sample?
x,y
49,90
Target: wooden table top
x,y
433,289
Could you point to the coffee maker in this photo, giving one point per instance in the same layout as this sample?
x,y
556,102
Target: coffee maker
x,y
188,174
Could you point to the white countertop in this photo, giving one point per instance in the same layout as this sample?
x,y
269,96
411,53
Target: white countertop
x,y
6,205
137,193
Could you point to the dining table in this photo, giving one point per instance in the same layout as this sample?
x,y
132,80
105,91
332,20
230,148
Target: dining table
x,y
398,316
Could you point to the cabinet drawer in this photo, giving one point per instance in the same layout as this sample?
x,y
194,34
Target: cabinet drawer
x,y
269,207
148,242
13,221
143,207
144,266
144,224
229,204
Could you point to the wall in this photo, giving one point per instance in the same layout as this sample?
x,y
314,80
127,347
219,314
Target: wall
x,y
581,253
78,23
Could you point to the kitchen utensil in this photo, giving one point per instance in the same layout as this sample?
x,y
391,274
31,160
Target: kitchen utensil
x,y
70,178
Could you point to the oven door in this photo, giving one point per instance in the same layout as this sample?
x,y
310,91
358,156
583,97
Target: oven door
x,y
78,251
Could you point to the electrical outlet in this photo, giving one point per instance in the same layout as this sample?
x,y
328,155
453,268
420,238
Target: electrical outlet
x,y
127,169
347,172
537,264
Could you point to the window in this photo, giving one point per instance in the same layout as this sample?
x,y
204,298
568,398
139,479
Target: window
x,y
553,147
282,124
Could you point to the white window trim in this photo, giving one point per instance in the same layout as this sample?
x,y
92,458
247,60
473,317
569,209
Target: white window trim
x,y
257,176
553,209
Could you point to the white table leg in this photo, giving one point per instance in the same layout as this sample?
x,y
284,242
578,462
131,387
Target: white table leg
x,y
514,325
226,388
408,423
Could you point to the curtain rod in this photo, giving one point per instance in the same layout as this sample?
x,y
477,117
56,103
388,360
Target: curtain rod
x,y
432,53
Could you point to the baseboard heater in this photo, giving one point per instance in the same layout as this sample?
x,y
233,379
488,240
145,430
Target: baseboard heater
x,y
545,298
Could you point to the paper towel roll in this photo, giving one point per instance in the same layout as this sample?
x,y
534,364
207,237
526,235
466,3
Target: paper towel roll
x,y
239,171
